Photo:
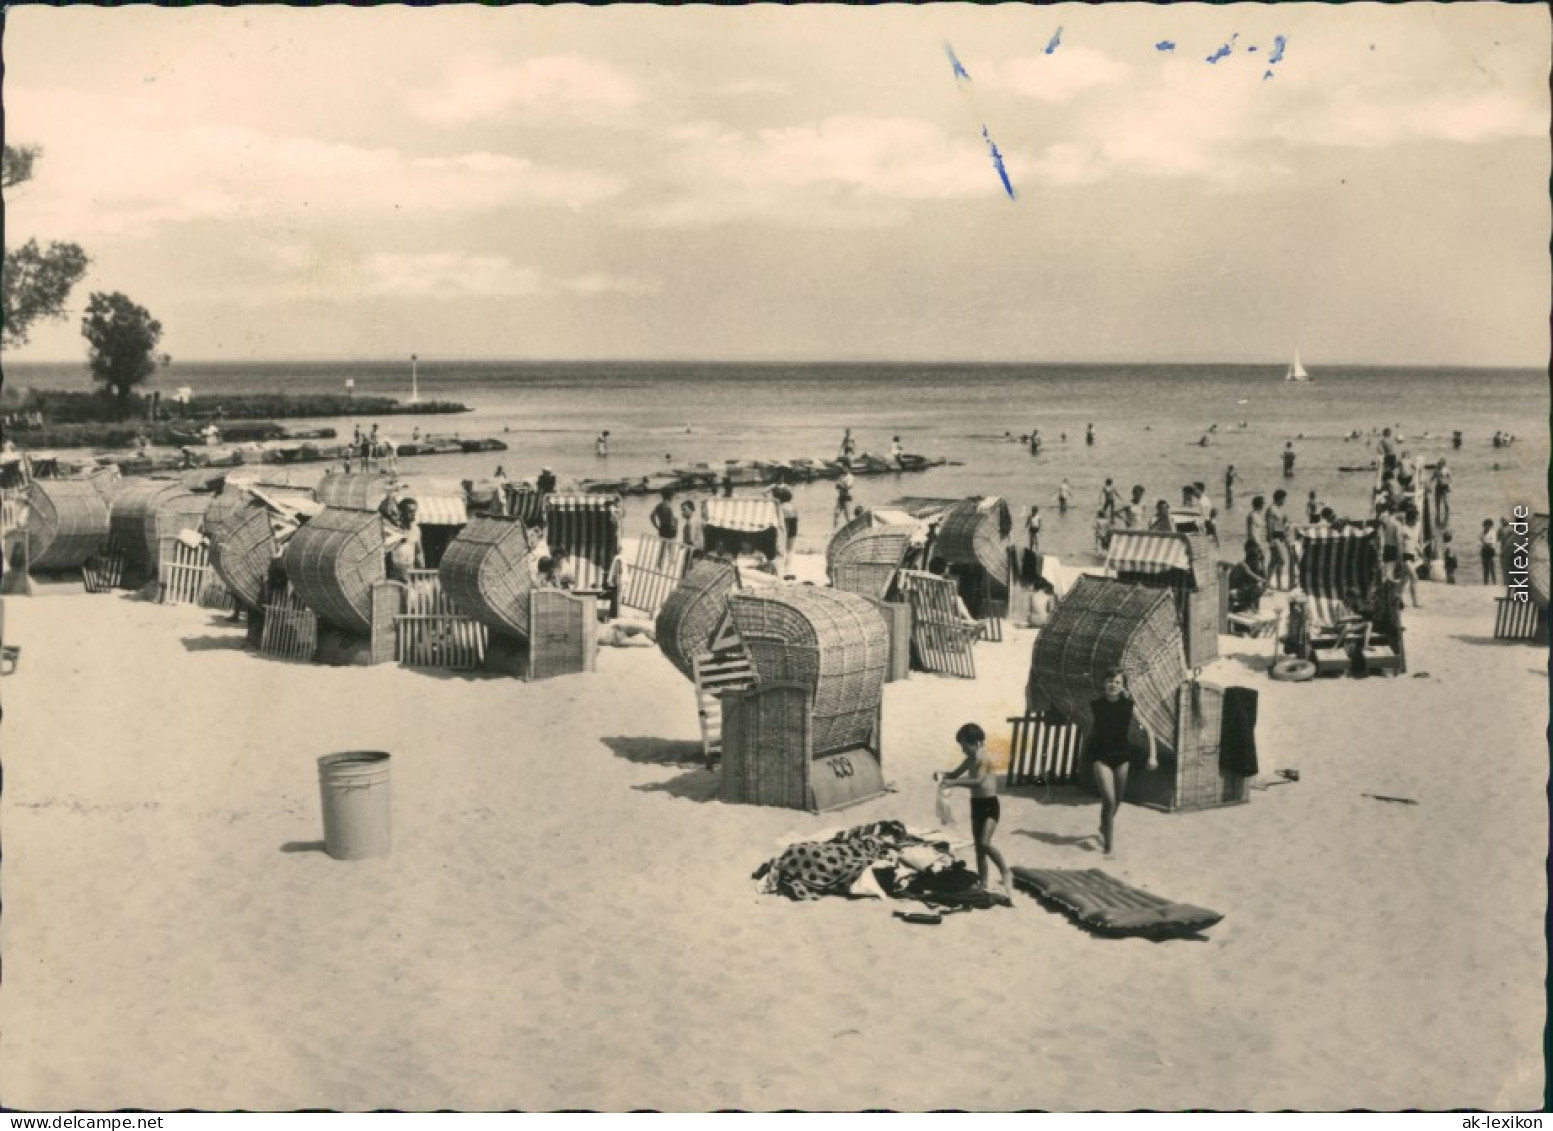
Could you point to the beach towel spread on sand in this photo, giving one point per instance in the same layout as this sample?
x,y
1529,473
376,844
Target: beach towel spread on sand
x,y
901,865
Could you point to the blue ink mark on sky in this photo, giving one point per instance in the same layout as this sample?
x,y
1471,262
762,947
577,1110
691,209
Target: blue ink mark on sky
x,y
1280,42
1224,52
1164,45
1056,42
954,61
997,163
1251,49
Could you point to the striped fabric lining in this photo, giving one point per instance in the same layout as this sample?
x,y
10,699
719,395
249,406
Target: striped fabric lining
x,y
1145,552
589,527
1334,563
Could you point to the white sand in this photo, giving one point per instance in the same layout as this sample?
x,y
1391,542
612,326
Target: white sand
x,y
567,919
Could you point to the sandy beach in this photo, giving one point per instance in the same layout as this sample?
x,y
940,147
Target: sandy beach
x,y
567,919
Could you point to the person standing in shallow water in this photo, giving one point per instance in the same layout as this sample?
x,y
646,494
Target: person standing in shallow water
x,y
977,774
1110,751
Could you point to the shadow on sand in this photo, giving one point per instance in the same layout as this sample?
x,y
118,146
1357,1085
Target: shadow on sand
x,y
655,751
213,643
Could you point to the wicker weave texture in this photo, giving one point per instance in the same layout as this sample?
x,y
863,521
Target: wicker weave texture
x,y
975,532
693,611
68,523
360,492
132,521
485,571
1101,624
854,528
242,546
333,561
564,638
835,644
173,514
1200,782
867,579
765,759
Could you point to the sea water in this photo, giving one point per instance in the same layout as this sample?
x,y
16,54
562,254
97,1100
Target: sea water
x,y
1149,421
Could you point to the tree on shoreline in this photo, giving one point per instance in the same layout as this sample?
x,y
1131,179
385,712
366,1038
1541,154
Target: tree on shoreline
x,y
36,281
122,338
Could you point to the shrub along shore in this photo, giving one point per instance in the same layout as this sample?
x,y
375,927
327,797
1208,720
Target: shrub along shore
x,y
93,420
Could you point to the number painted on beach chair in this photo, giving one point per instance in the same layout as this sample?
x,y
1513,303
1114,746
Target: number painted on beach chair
x,y
841,766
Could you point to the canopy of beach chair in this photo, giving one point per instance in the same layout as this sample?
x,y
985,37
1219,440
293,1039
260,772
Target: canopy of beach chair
x,y
1153,552
730,522
1333,565
1102,624
588,526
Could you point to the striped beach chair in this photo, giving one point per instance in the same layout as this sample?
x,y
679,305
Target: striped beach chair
x,y
716,674
432,632
941,634
654,572
185,572
290,629
589,527
731,525
1042,751
1334,564
1518,620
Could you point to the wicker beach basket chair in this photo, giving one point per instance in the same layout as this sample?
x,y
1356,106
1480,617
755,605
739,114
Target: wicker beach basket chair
x,y
692,613
174,514
1102,624
333,561
67,522
361,491
242,545
976,531
834,644
486,571
866,561
854,528
1185,565
132,523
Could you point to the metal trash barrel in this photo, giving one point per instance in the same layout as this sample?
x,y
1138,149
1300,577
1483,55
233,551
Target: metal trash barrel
x,y
355,788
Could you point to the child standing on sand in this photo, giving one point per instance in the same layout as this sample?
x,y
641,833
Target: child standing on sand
x,y
976,774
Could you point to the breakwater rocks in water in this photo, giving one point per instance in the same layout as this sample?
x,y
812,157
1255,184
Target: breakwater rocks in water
x,y
288,453
756,473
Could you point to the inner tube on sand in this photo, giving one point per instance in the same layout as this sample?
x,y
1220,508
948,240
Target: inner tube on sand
x,y
1293,671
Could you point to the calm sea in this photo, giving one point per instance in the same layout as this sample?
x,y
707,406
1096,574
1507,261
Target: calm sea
x,y
1148,420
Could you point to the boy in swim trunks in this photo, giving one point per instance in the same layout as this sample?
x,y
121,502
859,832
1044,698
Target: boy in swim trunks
x,y
976,774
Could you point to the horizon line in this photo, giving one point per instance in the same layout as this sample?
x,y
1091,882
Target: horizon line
x,y
422,360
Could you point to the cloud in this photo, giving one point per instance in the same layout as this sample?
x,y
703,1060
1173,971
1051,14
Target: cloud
x,y
459,275
846,170
1058,76
126,181
564,87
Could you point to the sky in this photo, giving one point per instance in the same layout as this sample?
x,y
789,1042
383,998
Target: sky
x,y
1115,182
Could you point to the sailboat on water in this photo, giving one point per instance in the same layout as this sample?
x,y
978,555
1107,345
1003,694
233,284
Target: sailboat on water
x,y
1296,371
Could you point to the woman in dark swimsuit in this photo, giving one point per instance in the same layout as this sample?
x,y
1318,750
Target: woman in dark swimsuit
x,y
1110,750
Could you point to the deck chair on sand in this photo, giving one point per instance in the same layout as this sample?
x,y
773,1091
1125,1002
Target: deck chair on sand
x,y
942,632
1352,617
